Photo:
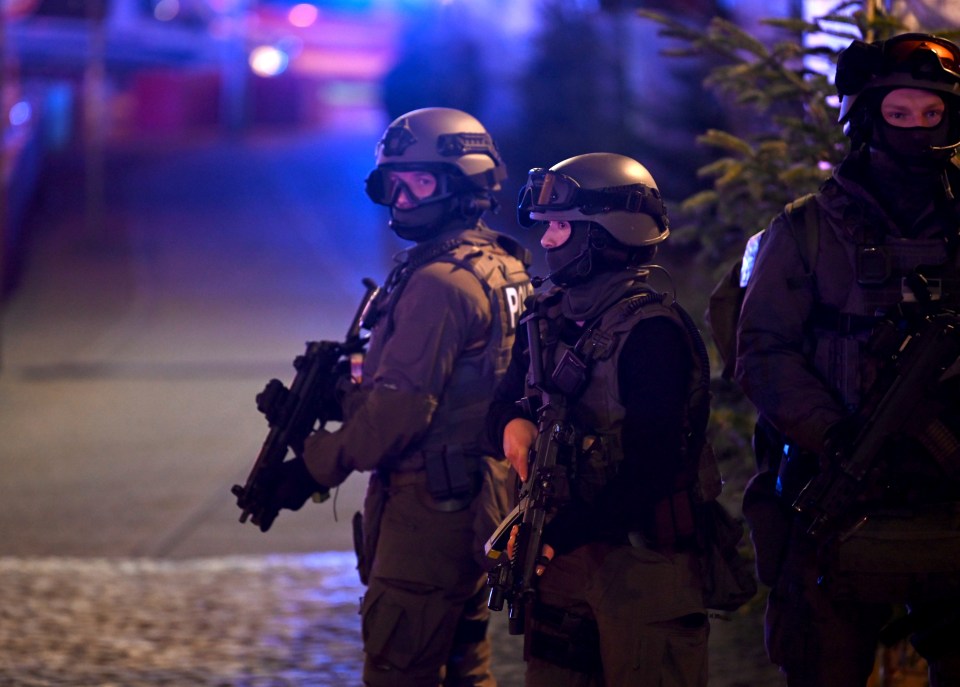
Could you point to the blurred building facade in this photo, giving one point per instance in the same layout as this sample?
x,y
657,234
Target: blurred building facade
x,y
550,78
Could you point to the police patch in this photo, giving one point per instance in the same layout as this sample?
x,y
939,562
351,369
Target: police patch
x,y
513,296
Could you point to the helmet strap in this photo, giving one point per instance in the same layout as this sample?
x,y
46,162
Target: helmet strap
x,y
608,252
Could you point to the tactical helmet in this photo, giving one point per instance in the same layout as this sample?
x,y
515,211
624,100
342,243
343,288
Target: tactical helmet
x,y
613,191
910,60
453,146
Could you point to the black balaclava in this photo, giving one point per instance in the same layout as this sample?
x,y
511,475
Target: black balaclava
x,y
571,262
905,174
594,270
431,217
912,147
426,220
589,250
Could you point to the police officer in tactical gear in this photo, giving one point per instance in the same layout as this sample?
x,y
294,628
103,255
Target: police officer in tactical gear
x,y
620,601
882,234
442,329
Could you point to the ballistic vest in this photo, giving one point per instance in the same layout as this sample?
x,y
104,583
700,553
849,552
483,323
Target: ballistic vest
x,y
598,411
500,266
885,269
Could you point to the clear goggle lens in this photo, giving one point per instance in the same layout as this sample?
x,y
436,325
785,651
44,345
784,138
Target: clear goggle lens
x,y
384,187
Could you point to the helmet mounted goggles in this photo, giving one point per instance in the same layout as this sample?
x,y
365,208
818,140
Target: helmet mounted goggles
x,y
446,159
910,60
547,191
383,186
930,55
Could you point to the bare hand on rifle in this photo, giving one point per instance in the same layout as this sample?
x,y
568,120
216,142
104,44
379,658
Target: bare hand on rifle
x,y
518,438
546,551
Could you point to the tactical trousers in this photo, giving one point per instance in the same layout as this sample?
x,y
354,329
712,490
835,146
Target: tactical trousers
x,y
424,614
821,642
647,611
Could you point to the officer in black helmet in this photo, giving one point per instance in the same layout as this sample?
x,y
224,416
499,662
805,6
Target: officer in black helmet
x,y
878,238
620,601
442,329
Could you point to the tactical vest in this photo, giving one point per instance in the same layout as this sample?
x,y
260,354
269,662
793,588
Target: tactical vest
x,y
457,437
599,413
883,268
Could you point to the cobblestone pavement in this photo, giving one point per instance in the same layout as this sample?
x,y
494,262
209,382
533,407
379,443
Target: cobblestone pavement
x,y
236,621
244,621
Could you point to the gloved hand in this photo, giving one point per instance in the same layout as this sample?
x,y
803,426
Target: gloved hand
x,y
294,485
838,439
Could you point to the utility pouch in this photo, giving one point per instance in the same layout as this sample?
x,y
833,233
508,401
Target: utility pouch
x,y
366,527
709,482
570,375
896,556
874,265
358,548
450,474
728,581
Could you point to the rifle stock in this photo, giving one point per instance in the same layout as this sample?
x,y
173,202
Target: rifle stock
x,y
294,413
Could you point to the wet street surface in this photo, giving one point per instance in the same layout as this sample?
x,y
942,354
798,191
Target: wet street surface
x,y
242,621
245,621
236,621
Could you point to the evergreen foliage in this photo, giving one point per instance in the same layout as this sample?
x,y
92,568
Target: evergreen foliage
x,y
787,139
783,142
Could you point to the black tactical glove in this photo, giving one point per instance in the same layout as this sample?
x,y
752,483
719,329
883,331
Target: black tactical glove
x,y
294,485
838,440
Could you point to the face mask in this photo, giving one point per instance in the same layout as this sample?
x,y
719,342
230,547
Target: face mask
x,y
430,219
912,145
571,262
419,223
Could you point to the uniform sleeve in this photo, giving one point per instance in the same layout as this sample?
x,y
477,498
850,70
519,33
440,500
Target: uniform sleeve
x,y
772,368
442,313
654,376
503,407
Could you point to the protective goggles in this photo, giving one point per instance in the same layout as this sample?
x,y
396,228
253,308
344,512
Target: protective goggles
x,y
547,191
925,51
384,186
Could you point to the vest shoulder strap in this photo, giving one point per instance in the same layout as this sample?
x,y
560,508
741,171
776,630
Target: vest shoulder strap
x,y
803,220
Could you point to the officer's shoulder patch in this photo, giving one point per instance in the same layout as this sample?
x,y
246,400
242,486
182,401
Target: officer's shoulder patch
x,y
512,299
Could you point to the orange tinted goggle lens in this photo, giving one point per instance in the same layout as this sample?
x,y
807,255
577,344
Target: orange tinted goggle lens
x,y
902,51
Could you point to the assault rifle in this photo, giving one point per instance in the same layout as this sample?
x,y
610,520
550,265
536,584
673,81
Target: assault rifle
x,y
903,402
513,579
294,413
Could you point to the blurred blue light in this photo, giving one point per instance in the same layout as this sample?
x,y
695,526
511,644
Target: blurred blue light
x,y
20,113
